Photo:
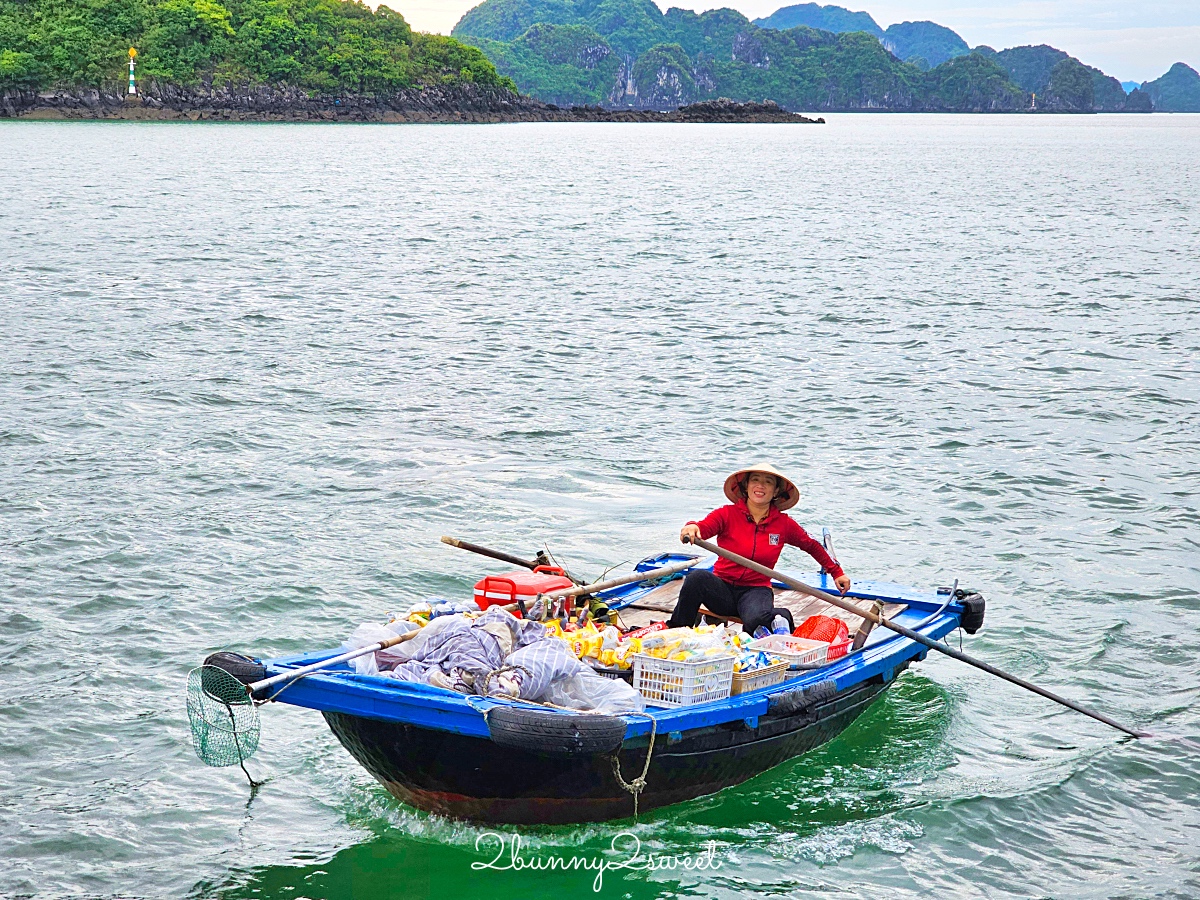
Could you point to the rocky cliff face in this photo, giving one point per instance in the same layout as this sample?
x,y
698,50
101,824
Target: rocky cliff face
x,y
663,78
748,49
431,104
1176,91
1107,93
159,100
669,89
1138,101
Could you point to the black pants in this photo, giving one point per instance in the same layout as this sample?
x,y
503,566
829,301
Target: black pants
x,y
753,605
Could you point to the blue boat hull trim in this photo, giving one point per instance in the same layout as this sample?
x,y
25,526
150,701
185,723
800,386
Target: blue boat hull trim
x,y
472,778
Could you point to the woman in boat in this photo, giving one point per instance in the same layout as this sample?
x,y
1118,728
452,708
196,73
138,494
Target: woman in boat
x,y
753,525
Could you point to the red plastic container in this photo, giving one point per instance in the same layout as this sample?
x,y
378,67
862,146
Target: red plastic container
x,y
828,630
837,650
523,585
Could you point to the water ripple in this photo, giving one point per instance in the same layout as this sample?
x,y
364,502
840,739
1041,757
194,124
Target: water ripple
x,y
249,374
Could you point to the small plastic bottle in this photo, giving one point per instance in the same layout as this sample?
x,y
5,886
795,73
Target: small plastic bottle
x,y
761,632
779,625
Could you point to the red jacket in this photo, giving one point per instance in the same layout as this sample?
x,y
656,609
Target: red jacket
x,y
736,530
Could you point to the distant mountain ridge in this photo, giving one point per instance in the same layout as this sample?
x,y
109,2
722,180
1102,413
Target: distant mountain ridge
x,y
1177,91
1047,72
925,43
826,18
628,53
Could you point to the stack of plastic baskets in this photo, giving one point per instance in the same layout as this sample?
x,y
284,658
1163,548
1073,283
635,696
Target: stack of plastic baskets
x,y
666,682
800,653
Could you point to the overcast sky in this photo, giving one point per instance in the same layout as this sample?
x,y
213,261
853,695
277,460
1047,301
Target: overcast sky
x,y
1135,41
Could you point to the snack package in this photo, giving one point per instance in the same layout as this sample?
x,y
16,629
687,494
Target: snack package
x,y
639,633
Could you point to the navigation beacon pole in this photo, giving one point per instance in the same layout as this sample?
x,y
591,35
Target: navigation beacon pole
x,y
132,80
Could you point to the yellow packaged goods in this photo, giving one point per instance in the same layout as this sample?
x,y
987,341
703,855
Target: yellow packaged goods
x,y
663,638
619,655
669,645
661,651
585,645
590,642
420,613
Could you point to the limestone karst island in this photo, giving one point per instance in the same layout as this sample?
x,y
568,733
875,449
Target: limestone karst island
x,y
522,60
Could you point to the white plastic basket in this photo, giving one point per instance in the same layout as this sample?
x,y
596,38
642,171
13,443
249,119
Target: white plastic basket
x,y
665,682
799,653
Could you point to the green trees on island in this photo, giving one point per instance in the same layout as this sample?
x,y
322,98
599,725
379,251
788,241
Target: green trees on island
x,y
568,52
320,45
924,44
805,57
1178,89
1070,83
804,68
654,59
1061,82
972,82
826,18
563,64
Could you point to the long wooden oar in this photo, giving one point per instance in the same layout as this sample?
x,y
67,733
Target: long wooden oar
x,y
845,604
502,556
332,661
596,586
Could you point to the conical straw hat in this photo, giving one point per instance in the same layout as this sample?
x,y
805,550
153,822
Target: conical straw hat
x,y
786,495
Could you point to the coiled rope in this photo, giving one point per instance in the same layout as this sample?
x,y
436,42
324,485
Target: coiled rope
x,y
638,784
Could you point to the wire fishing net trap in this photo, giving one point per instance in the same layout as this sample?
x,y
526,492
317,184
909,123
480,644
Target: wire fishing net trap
x,y
223,716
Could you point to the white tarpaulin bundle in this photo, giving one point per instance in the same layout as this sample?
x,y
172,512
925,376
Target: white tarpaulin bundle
x,y
496,655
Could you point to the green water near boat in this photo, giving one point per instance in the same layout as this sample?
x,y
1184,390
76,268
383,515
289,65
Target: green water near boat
x,y
248,375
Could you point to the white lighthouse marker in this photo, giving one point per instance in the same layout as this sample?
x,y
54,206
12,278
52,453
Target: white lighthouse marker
x,y
132,80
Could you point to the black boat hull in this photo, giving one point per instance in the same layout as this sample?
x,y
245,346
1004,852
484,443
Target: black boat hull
x,y
473,778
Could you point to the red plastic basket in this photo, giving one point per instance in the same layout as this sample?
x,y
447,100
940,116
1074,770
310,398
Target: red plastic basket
x,y
838,650
826,629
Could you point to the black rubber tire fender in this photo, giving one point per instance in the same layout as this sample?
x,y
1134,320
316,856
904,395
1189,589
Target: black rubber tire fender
x,y
244,668
791,703
555,734
973,606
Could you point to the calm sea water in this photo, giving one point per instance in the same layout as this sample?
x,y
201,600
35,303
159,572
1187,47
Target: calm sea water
x,y
249,374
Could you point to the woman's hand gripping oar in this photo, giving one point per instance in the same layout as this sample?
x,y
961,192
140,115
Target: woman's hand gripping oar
x,y
870,615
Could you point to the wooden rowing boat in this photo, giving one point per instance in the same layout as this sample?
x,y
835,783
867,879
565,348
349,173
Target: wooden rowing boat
x,y
491,760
